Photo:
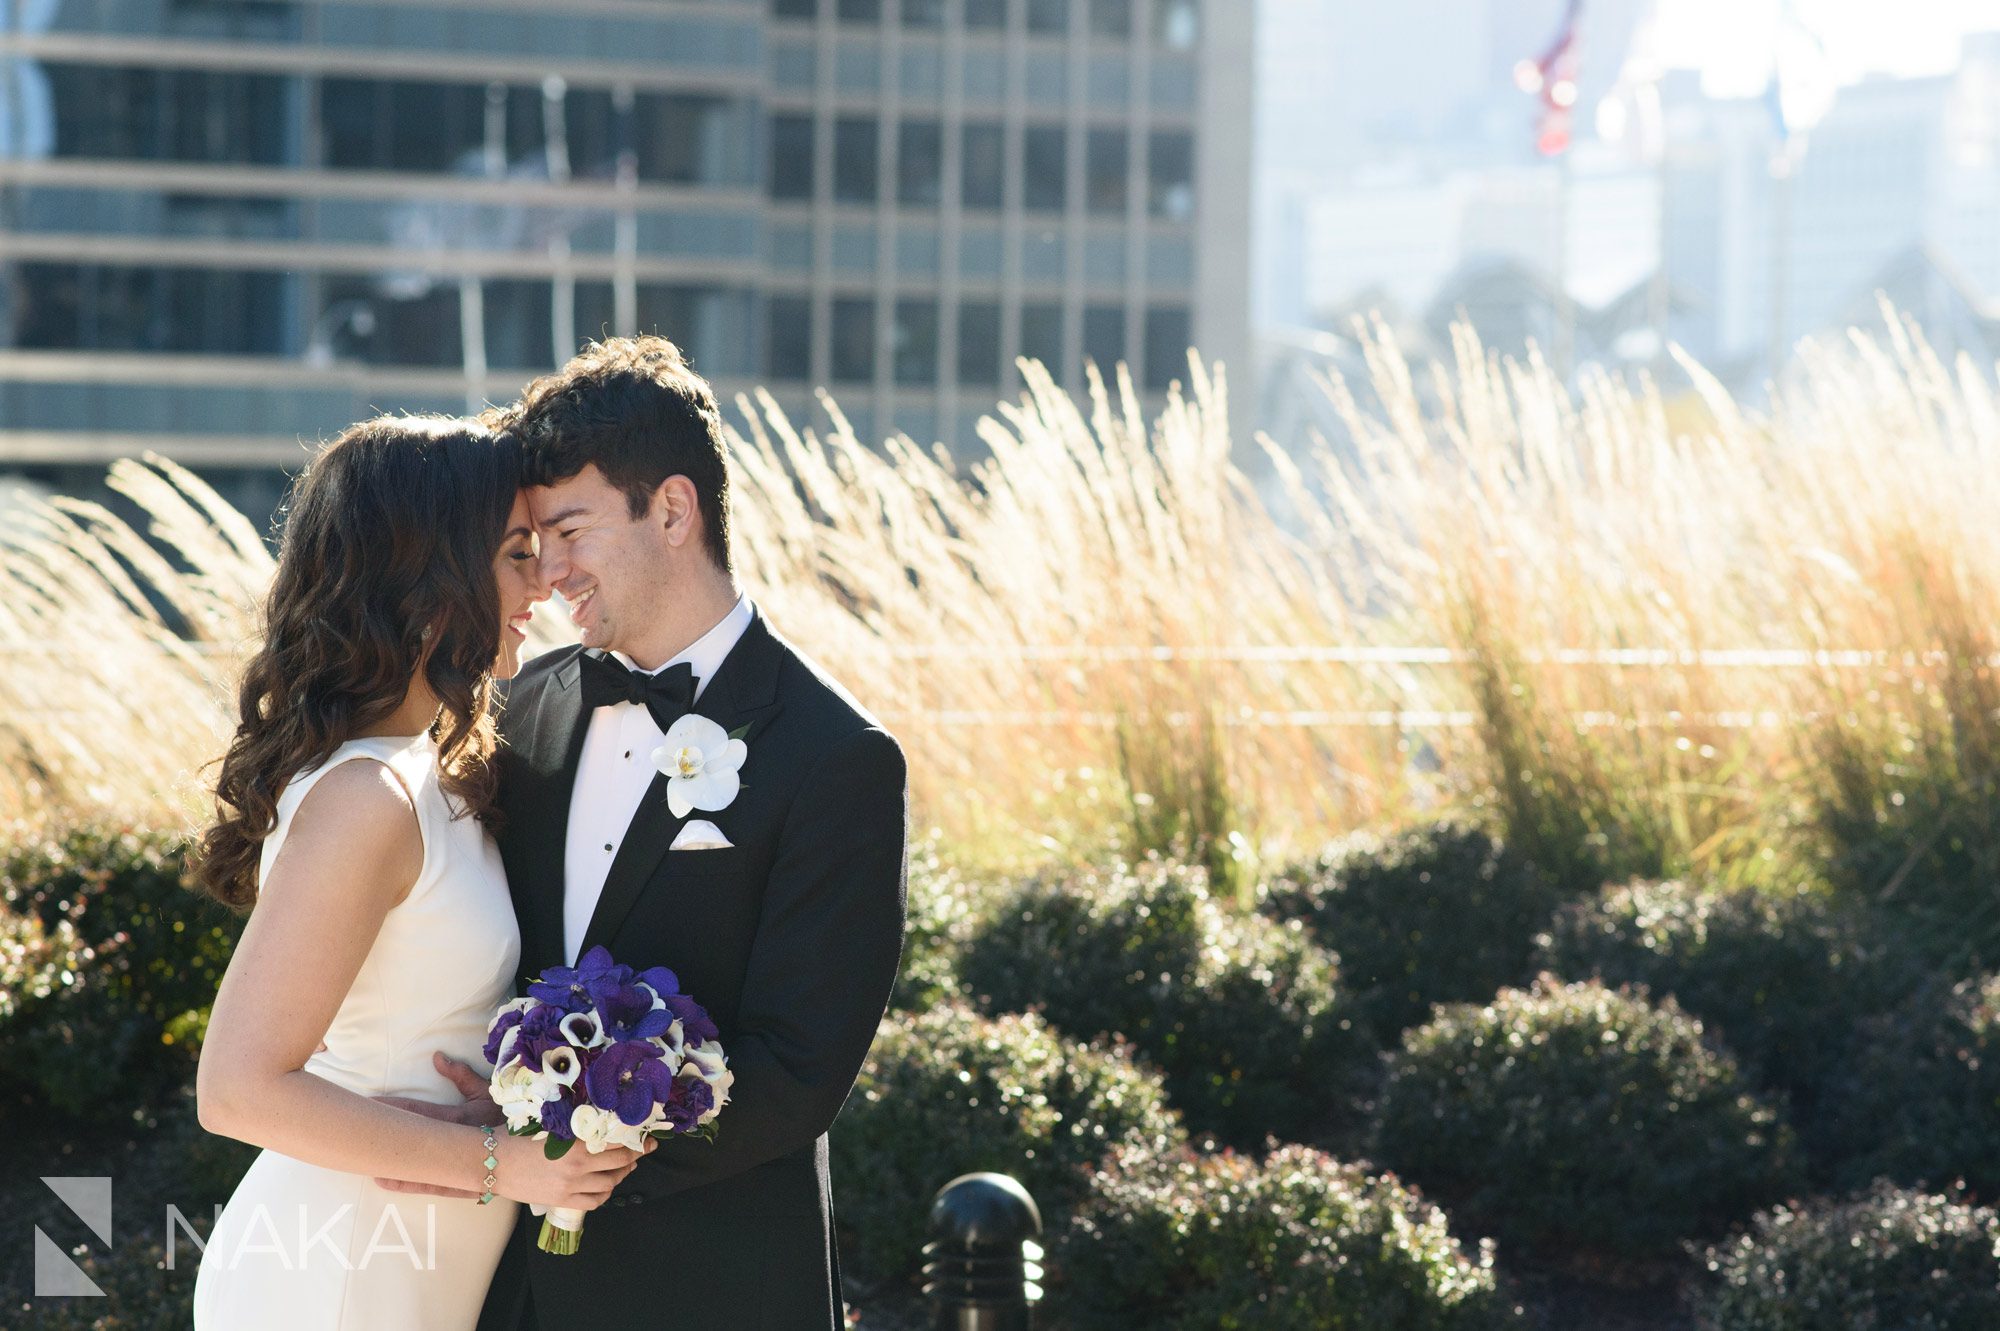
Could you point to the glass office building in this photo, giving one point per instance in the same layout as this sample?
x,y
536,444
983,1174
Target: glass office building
x,y
227,226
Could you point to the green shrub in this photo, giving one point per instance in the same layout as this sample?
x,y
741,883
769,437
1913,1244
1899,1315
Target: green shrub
x,y
949,1092
140,1294
1221,1242
941,912
1441,914
1784,977
1904,795
162,1158
1888,1261
148,954
36,964
1580,1118
1240,1012
1922,1105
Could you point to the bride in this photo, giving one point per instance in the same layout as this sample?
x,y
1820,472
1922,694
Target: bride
x,y
352,812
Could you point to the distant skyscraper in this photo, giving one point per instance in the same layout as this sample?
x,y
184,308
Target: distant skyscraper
x,y
1427,181
1353,96
227,226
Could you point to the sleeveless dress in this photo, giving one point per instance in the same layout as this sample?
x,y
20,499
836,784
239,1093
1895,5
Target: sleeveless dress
x,y
303,1248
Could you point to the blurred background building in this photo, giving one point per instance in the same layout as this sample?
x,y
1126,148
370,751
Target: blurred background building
x,y
1728,177
227,226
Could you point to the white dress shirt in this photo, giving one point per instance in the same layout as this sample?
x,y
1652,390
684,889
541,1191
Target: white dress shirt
x,y
613,772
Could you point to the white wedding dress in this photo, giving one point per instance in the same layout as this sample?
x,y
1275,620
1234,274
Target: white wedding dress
x,y
301,1248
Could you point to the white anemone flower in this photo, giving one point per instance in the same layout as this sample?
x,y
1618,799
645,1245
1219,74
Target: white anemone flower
x,y
593,1127
701,763
520,1092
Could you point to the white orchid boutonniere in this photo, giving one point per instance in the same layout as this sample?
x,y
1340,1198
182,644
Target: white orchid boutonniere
x,y
701,761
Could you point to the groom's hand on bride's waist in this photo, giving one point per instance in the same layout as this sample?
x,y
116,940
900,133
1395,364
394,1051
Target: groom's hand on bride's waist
x,y
476,1110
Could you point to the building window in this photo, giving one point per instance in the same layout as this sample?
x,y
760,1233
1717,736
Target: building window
x,y
1104,338
681,140
919,163
711,325
989,14
854,160
384,125
794,8
1049,16
357,319
923,13
1045,174
791,157
915,340
788,338
595,304
517,320
1041,336
1170,158
175,115
979,343
91,307
1111,18
1169,335
1175,24
853,340
984,167
860,11
595,127
1107,162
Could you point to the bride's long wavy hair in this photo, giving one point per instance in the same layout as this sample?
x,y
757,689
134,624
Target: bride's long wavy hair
x,y
385,568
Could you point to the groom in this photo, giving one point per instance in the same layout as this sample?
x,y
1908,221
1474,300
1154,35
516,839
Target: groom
x,y
781,913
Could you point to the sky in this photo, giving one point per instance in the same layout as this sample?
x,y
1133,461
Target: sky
x,y
1730,41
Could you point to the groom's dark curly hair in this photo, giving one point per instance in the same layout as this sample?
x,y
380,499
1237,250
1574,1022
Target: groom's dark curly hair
x,y
633,408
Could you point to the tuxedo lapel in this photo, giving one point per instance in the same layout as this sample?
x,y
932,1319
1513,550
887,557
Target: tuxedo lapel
x,y
742,693
560,726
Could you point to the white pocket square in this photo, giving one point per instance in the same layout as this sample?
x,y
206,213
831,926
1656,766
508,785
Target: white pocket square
x,y
700,834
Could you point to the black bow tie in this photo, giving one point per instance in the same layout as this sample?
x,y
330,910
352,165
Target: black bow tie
x,y
668,696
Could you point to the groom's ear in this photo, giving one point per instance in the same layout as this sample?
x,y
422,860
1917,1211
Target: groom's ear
x,y
678,509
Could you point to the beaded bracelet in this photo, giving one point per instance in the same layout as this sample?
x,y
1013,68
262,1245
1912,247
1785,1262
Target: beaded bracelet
x,y
492,1144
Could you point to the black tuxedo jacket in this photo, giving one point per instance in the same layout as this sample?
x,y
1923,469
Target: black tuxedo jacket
x,y
789,938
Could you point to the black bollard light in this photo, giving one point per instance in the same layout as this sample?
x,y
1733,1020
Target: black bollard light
x,y
982,1267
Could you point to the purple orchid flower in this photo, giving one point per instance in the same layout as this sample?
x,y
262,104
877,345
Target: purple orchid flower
x,y
696,1027
627,1012
569,987
628,1079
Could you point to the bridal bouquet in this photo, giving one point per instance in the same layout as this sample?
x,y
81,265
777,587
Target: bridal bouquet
x,y
601,1055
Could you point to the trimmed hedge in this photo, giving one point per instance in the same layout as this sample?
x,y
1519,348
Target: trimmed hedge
x,y
1891,1259
140,1294
941,912
1923,1103
1440,914
116,913
162,1159
1241,1013
1786,978
1579,1118
1223,1243
949,1092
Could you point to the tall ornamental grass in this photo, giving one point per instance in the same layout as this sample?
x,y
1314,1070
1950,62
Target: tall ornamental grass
x,y
1641,635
